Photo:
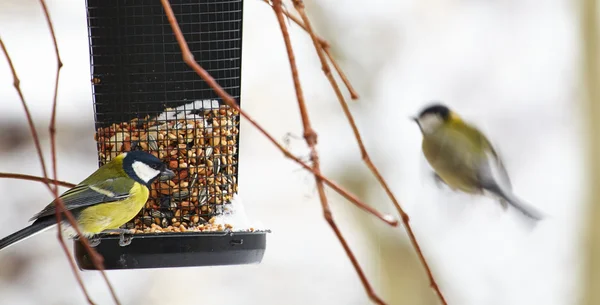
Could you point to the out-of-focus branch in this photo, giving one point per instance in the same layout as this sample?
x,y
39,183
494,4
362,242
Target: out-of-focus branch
x,y
299,6
310,137
59,204
52,127
591,76
326,48
59,63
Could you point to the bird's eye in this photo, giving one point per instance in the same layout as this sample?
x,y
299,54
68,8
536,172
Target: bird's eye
x,y
155,166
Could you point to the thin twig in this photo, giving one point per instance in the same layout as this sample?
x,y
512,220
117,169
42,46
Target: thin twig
x,y
36,178
52,131
188,58
310,137
52,127
299,6
96,259
59,63
326,47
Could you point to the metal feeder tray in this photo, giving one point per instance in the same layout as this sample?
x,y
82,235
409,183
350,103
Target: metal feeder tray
x,y
167,250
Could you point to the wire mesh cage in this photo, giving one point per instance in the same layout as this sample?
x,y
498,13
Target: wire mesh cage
x,y
147,98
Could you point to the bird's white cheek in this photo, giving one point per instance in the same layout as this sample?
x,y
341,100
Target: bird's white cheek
x,y
144,171
429,123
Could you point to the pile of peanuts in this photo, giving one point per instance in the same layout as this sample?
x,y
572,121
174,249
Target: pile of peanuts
x,y
200,147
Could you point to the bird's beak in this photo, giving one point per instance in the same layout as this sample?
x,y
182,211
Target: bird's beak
x,y
167,174
416,120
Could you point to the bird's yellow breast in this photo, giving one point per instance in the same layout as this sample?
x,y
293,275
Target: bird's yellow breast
x,y
112,215
454,158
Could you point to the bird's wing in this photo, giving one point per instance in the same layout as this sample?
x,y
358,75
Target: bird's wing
x,y
494,170
84,195
491,169
491,173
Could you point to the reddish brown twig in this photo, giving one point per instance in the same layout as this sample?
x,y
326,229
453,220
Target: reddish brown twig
x,y
36,178
96,259
52,127
59,63
311,139
52,130
188,58
326,48
299,6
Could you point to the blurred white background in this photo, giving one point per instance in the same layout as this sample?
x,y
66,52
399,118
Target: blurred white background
x,y
508,66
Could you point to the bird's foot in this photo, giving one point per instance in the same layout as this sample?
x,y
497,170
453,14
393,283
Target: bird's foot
x,y
125,236
125,239
94,241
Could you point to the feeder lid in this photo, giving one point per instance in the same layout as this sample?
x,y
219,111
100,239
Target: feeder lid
x,y
166,250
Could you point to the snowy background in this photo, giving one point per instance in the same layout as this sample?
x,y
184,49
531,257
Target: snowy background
x,y
508,66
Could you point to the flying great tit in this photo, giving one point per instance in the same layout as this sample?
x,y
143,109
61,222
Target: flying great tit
x,y
110,197
464,159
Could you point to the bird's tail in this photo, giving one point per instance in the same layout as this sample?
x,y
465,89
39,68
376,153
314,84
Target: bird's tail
x,y
517,203
36,227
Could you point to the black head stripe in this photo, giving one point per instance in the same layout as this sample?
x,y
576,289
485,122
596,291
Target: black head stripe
x,y
144,157
437,109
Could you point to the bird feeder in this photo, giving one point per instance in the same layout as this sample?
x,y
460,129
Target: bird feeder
x,y
147,98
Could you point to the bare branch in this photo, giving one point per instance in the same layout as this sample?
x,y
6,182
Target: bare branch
x,y
52,127
299,6
311,139
52,131
96,259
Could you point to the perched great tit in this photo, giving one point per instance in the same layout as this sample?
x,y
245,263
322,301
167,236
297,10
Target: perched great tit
x,y
110,197
464,159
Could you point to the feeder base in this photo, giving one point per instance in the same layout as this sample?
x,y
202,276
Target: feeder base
x,y
168,250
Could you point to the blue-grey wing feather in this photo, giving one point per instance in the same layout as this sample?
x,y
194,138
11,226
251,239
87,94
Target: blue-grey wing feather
x,y
84,195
